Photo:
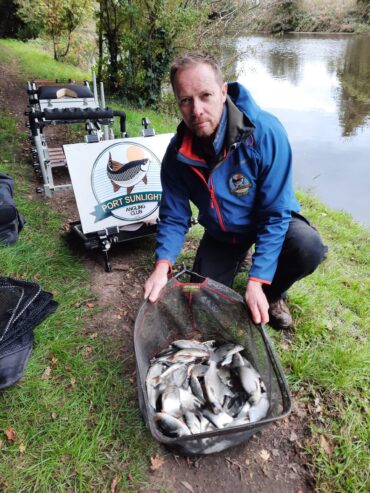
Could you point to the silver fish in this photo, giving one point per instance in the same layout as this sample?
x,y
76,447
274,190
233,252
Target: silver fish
x,y
197,370
171,426
174,374
250,380
193,422
220,420
196,388
189,402
207,387
192,344
153,393
187,355
229,355
215,389
226,350
259,411
206,425
244,411
171,402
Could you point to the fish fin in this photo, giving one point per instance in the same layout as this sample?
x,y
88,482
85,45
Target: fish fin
x,y
129,190
145,180
115,187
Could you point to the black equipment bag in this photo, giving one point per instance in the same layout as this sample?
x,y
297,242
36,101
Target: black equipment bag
x,y
11,221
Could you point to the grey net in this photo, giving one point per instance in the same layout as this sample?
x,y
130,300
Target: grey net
x,y
205,311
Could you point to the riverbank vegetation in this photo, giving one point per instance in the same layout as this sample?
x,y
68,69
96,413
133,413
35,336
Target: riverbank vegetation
x,y
75,419
331,16
132,43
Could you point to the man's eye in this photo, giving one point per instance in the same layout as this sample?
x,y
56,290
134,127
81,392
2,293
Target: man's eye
x,y
185,101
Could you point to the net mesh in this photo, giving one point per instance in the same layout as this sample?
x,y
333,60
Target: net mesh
x,y
206,311
23,305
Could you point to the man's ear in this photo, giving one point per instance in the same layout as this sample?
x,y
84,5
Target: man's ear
x,y
224,91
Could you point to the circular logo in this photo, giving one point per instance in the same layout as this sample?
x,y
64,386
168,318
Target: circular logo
x,y
125,180
239,184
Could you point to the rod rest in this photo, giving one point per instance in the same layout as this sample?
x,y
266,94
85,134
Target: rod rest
x,y
73,114
77,114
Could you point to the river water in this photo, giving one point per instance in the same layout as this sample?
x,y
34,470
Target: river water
x,y
319,88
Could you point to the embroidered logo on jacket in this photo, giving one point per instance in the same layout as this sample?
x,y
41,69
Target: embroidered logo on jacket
x,y
239,184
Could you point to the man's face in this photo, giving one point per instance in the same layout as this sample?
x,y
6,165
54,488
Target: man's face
x,y
200,97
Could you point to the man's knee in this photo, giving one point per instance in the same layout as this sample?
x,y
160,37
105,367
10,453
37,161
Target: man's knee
x,y
307,250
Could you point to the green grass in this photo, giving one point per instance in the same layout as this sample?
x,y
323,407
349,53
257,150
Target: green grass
x,y
37,64
80,426
96,431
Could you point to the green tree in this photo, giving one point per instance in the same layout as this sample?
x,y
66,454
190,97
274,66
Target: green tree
x,y
57,19
139,38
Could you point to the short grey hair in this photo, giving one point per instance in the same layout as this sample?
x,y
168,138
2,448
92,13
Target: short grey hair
x,y
194,58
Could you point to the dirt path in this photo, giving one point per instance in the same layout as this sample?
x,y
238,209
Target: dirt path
x,y
272,461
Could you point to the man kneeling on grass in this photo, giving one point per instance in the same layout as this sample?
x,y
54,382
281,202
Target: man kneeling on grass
x,y
234,162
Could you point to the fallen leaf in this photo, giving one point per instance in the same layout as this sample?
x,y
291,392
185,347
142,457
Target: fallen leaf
x,y
22,448
10,434
73,382
247,462
326,445
187,486
90,305
94,335
293,437
129,477
54,360
264,455
53,416
156,462
114,483
86,351
46,373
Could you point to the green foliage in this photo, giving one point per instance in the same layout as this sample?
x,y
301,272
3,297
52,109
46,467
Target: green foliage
x,y
57,19
140,39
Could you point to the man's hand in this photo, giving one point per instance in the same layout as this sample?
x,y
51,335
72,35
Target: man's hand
x,y
156,281
257,302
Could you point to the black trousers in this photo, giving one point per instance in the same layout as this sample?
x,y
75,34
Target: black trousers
x,y
302,252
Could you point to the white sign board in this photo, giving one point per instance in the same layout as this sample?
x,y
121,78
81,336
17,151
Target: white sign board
x,y
117,182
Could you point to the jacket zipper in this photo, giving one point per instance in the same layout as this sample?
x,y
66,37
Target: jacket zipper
x,y
214,203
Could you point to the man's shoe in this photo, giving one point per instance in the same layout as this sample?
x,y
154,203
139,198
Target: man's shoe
x,y
280,317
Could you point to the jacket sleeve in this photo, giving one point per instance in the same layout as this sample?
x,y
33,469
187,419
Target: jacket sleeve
x,y
174,211
275,199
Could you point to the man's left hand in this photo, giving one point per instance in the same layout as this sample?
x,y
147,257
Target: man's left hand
x,y
257,302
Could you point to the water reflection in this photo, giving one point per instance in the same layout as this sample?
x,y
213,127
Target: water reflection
x,y
319,87
354,75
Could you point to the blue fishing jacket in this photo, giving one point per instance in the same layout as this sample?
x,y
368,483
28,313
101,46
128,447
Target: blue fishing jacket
x,y
246,197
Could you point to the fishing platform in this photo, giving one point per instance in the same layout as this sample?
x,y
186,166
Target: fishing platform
x,y
115,179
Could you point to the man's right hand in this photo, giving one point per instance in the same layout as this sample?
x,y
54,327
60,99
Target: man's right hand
x,y
156,281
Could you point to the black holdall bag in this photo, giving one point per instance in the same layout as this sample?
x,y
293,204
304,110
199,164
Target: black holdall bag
x,y
11,221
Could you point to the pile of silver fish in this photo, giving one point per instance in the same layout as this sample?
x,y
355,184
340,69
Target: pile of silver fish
x,y
196,387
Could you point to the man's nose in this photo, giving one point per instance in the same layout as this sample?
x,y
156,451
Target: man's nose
x,y
197,108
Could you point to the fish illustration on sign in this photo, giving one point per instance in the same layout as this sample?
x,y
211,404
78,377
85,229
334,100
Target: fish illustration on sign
x,y
127,175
